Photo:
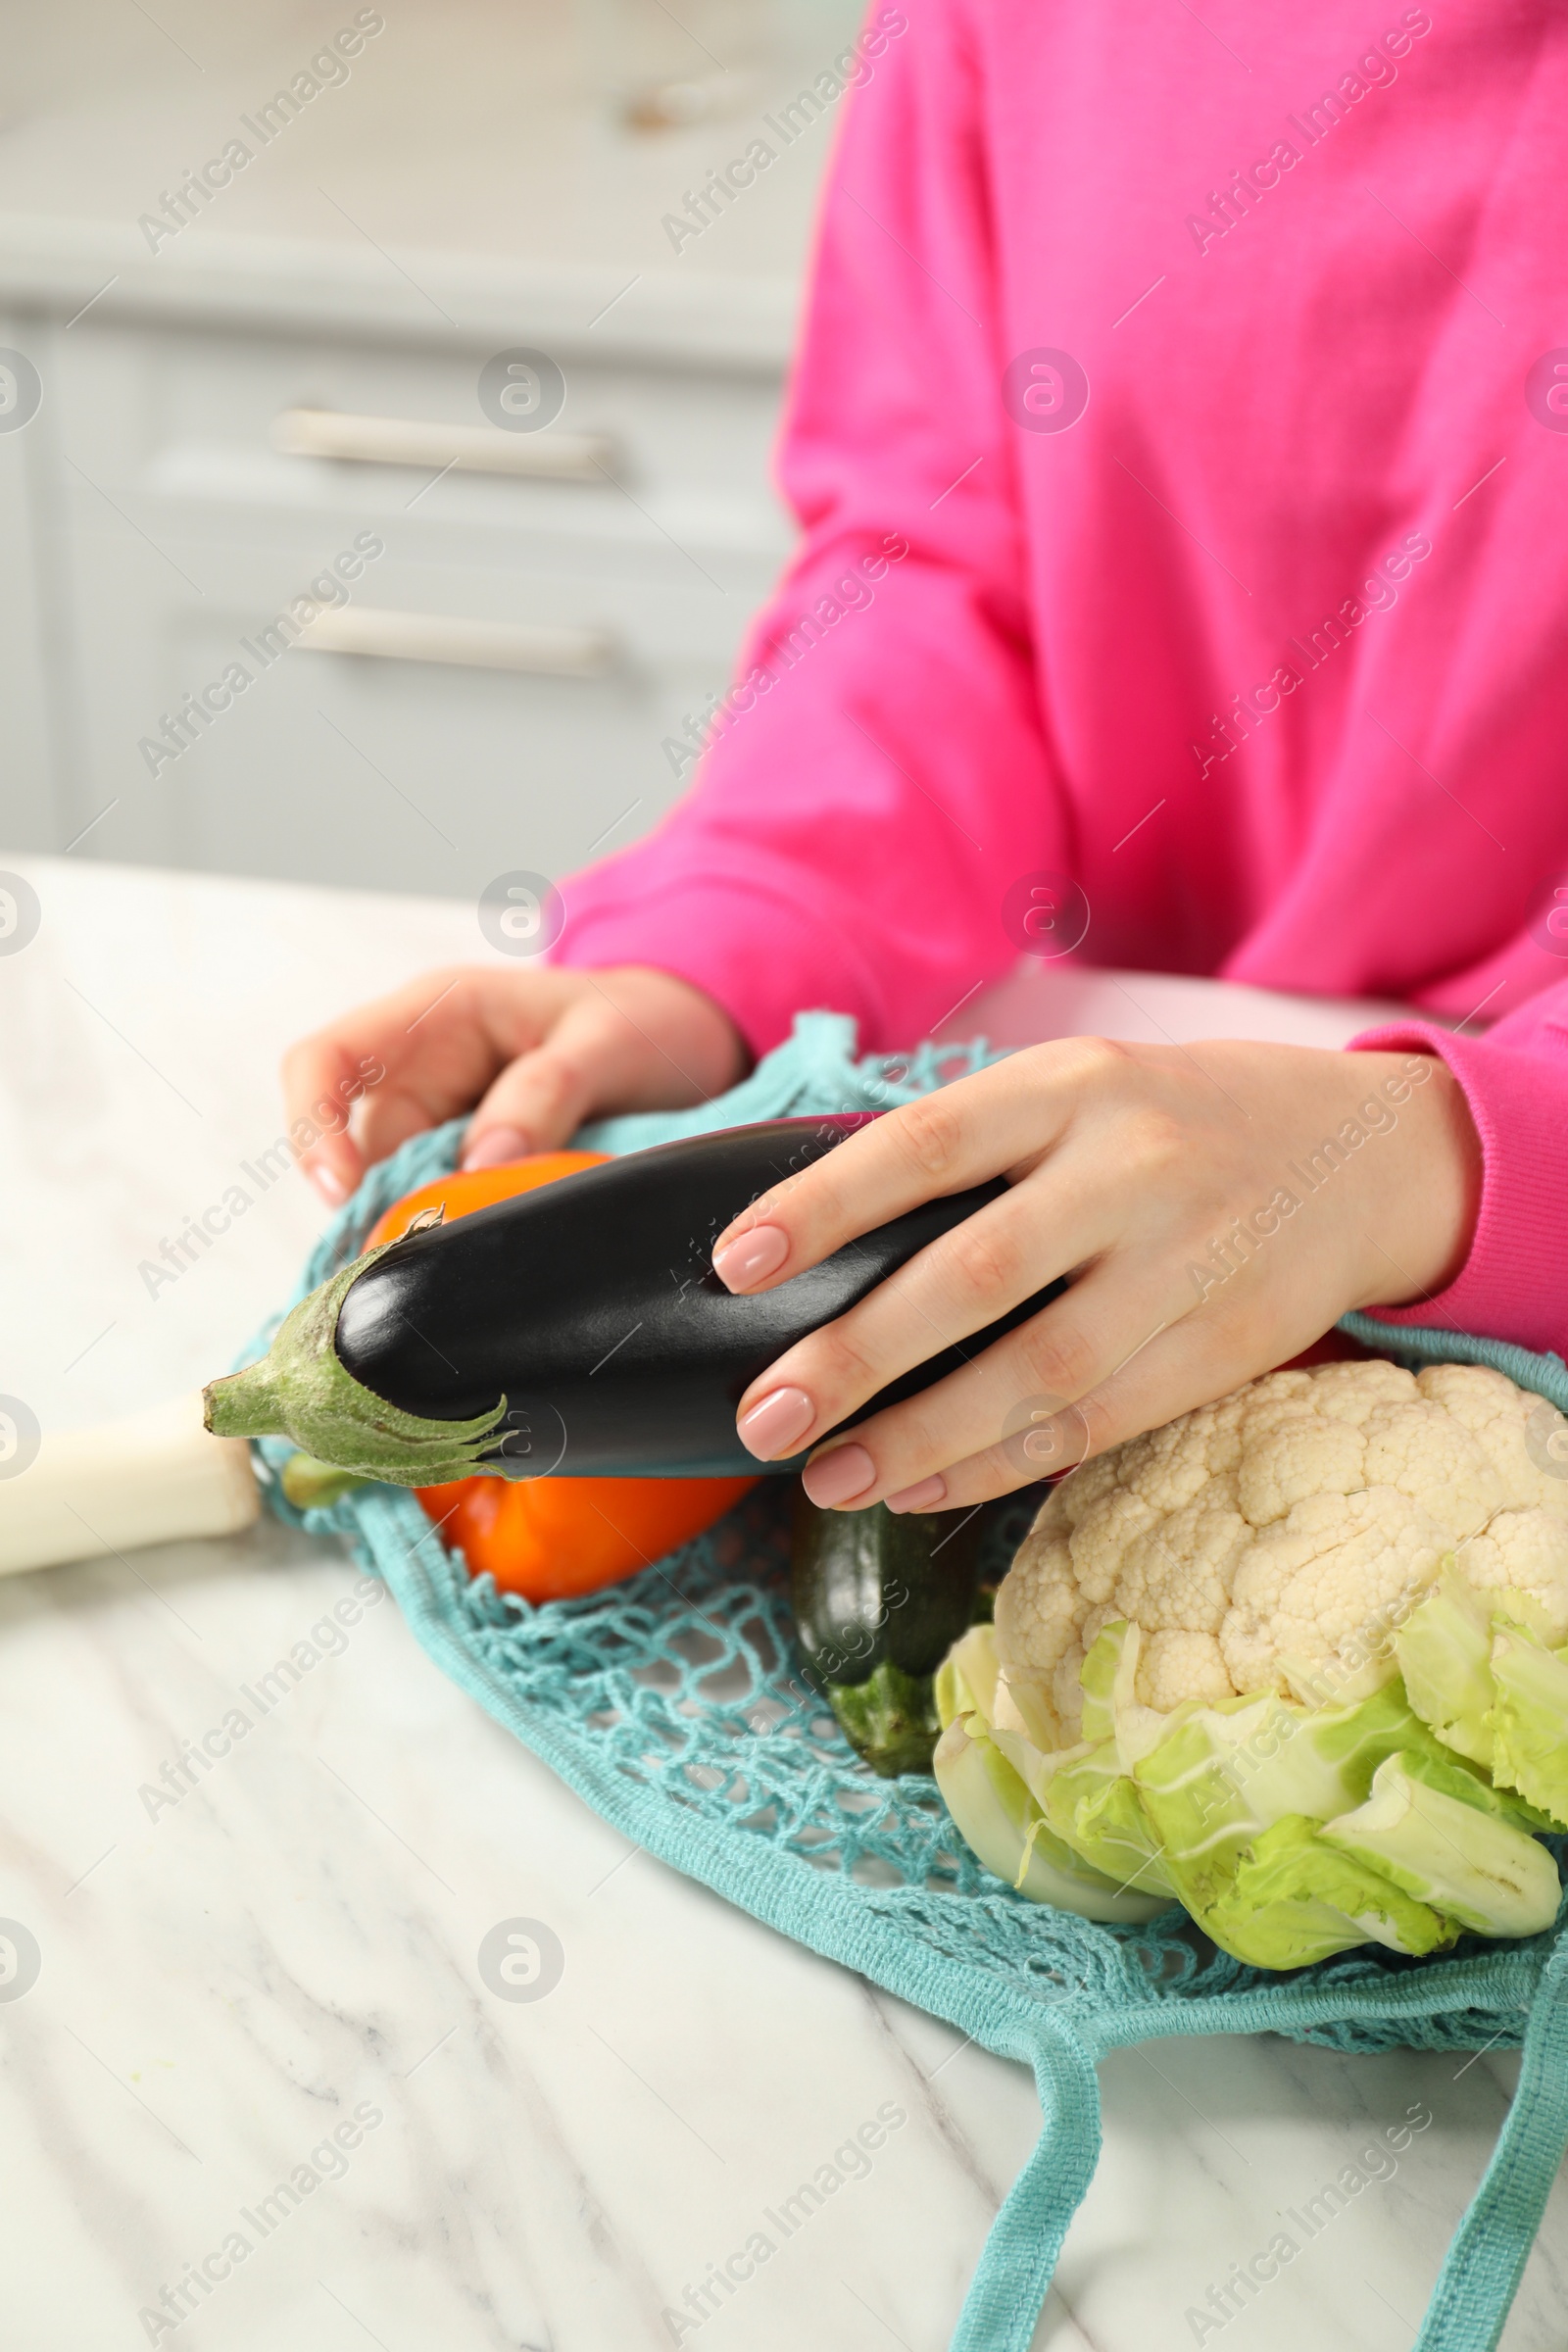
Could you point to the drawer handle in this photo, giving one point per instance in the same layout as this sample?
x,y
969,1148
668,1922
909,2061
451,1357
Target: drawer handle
x,y
470,447
470,644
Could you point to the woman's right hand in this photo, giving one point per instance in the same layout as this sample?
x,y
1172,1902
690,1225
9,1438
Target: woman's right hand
x,y
538,1051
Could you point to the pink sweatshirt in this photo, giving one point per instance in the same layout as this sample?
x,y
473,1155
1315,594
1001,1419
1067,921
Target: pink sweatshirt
x,y
1180,445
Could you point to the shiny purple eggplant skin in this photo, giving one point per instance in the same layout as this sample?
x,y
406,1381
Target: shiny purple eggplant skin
x,y
592,1307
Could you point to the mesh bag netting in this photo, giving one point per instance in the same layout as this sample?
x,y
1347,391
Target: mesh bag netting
x,y
677,1706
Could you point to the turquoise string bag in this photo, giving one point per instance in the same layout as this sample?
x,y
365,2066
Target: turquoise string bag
x,y
674,1704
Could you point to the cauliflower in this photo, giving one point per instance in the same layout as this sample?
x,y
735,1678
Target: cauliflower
x,y
1297,1660
1273,1541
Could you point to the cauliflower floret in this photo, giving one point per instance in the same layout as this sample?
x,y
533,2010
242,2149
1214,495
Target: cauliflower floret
x,y
1546,1444
1275,1539
1103,1535
1296,1456
1039,1607
1168,1467
1083,1488
1052,1518
1268,1401
1355,1392
1500,1417
1423,1451
1330,1581
1173,1666
1178,1573
1259,1397
1524,1553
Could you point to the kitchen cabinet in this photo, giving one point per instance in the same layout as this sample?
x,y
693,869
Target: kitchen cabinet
x,y
356,768
497,686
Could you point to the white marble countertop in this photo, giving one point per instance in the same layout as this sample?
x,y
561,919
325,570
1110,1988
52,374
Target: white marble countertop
x,y
295,1942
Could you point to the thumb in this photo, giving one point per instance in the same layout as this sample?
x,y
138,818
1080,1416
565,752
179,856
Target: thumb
x,y
541,1099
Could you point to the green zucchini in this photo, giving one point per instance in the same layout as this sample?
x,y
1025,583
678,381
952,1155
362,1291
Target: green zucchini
x,y
880,1598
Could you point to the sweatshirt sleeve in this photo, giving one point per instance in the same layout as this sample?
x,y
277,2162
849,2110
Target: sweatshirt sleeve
x,y
1514,1283
879,775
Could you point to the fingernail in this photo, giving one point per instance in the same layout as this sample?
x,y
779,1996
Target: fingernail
x,y
923,1496
839,1475
497,1144
751,1257
777,1424
328,1183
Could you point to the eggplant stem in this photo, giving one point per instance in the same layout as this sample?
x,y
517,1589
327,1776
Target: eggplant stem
x,y
244,1404
302,1390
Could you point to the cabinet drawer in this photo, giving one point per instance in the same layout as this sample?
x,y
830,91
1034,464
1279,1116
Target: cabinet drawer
x,y
187,426
393,768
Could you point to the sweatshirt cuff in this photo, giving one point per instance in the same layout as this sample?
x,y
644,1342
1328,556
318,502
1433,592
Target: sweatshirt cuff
x,y
1514,1283
726,937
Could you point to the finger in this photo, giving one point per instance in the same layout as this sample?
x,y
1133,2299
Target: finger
x,y
542,1099
413,1057
439,1043
1202,1352
325,1078
619,1042
1065,1354
1203,1357
991,1123
1063,1216
322,1077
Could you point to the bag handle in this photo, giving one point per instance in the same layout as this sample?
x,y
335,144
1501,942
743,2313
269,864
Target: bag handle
x,y
1480,2273
1005,2294
1420,1343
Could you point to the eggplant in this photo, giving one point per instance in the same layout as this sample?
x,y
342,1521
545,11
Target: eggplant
x,y
880,1598
577,1329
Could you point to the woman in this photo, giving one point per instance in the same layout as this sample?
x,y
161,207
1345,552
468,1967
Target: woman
x,y
1179,445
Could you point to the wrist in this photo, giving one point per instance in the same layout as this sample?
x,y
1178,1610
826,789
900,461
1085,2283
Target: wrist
x,y
1423,1219
715,1053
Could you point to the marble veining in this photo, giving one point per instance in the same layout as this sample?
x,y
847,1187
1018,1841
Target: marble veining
x,y
234,1981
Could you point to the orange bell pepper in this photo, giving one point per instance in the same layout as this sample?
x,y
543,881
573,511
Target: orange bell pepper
x,y
551,1538
469,1189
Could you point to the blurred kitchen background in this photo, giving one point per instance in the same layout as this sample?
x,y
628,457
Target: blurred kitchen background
x,y
202,416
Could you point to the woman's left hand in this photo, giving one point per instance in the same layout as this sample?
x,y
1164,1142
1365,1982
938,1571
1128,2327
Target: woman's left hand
x,y
1217,1208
